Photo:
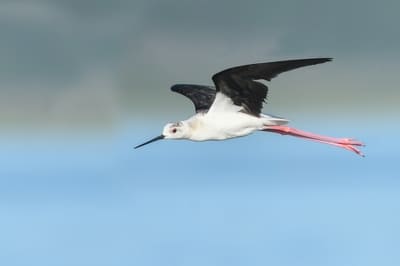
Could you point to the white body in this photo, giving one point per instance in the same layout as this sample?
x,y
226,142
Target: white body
x,y
219,126
224,120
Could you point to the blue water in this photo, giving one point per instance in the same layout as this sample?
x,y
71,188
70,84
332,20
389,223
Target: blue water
x,y
91,199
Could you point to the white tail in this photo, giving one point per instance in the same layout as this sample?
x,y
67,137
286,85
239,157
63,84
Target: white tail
x,y
270,120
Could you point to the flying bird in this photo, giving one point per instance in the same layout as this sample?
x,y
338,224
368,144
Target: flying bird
x,y
233,108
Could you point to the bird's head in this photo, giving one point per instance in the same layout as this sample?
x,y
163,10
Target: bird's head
x,y
178,130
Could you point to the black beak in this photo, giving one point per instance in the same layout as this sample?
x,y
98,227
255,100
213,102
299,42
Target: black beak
x,y
150,141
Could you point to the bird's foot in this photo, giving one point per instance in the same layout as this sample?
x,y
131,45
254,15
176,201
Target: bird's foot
x,y
348,145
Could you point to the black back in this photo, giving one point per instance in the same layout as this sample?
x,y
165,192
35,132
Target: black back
x,y
201,96
239,83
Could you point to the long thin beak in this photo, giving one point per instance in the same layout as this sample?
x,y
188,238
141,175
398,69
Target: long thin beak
x,y
150,141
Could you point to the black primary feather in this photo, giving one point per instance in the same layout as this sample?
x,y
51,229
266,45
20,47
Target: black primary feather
x,y
239,83
201,96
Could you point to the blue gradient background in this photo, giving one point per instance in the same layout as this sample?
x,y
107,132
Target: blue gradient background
x,y
82,82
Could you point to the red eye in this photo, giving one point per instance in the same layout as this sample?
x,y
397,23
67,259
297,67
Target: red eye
x,y
174,130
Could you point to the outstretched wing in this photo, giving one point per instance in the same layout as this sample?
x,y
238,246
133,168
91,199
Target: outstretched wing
x,y
201,96
240,85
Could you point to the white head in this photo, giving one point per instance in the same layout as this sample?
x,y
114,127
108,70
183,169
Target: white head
x,y
178,130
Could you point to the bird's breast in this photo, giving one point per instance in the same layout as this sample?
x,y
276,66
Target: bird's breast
x,y
223,126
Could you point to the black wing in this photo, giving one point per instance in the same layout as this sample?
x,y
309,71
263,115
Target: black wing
x,y
239,83
201,96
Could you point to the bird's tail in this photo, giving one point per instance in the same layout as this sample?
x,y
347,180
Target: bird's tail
x,y
271,120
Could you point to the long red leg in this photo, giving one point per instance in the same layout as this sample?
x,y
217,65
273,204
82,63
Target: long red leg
x,y
345,143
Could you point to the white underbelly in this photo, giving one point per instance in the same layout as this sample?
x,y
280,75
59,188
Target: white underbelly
x,y
225,126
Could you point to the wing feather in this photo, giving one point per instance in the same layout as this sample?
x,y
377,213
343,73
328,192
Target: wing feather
x,y
201,96
241,85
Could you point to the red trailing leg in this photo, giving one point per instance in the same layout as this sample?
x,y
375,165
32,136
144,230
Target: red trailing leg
x,y
345,143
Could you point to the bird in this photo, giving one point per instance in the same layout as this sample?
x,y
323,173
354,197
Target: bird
x,y
234,107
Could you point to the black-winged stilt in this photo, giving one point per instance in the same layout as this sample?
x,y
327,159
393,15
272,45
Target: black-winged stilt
x,y
233,108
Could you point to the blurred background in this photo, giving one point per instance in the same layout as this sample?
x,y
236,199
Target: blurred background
x,y
82,82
